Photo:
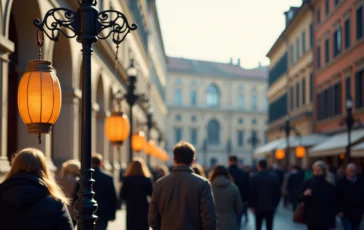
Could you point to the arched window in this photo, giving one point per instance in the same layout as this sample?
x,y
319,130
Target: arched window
x,y
213,96
213,132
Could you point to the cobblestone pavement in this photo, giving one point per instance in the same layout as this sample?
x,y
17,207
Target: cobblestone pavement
x,y
282,221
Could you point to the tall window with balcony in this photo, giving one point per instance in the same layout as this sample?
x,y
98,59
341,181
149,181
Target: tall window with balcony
x,y
241,101
240,136
213,132
347,33
303,91
178,134
193,97
291,54
318,13
329,102
278,108
193,136
254,102
359,23
359,92
213,96
297,95
337,41
327,51
327,7
178,97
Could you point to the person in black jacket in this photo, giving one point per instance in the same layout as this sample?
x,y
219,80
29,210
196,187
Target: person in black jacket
x,y
242,181
30,197
105,194
319,199
137,187
294,185
265,193
350,198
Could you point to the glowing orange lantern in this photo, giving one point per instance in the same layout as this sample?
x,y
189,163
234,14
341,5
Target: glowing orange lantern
x,y
280,154
117,127
138,141
300,151
39,97
342,156
149,147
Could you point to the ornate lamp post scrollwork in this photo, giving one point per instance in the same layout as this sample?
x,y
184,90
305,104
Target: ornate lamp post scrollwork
x,y
88,25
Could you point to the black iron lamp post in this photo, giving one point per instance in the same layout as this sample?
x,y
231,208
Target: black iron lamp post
x,y
149,124
88,25
204,151
254,141
349,124
287,129
132,98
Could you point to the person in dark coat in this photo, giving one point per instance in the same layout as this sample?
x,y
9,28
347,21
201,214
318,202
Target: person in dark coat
x,y
29,196
182,200
265,193
105,194
137,187
350,199
294,185
242,180
227,198
318,195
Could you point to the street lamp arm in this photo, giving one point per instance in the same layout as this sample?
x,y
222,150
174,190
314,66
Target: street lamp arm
x,y
53,24
117,22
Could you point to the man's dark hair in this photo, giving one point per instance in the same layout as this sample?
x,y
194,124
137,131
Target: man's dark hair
x,y
233,159
263,164
96,159
184,153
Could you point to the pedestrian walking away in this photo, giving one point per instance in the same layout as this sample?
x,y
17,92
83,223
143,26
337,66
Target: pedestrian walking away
x,y
30,197
350,198
227,199
265,193
135,191
242,180
182,200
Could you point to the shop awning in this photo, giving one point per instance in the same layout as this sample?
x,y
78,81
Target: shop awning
x,y
358,150
268,148
305,141
336,144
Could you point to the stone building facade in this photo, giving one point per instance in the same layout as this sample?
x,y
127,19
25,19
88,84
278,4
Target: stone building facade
x,y
218,107
17,46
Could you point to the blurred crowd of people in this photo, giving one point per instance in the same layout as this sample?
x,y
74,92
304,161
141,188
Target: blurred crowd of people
x,y
183,196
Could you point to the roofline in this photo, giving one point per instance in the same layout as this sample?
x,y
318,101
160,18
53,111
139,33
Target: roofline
x,y
155,12
289,26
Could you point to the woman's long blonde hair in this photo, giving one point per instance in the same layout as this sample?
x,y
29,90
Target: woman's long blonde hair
x,y
138,168
323,166
32,161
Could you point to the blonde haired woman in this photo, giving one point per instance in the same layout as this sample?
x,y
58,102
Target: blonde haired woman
x,y
318,196
68,181
137,187
29,196
198,169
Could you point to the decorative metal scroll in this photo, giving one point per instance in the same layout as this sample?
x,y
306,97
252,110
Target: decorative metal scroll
x,y
117,23
54,24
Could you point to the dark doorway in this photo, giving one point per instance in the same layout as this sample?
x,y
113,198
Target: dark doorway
x,y
13,80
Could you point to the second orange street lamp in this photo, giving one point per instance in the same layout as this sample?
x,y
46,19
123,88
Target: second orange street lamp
x,y
117,126
138,141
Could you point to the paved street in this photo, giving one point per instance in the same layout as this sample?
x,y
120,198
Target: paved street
x,y
282,221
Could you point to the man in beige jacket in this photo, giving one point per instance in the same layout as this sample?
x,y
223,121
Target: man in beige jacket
x,y
182,200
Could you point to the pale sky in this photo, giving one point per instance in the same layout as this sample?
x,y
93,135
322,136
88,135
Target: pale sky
x,y
218,30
